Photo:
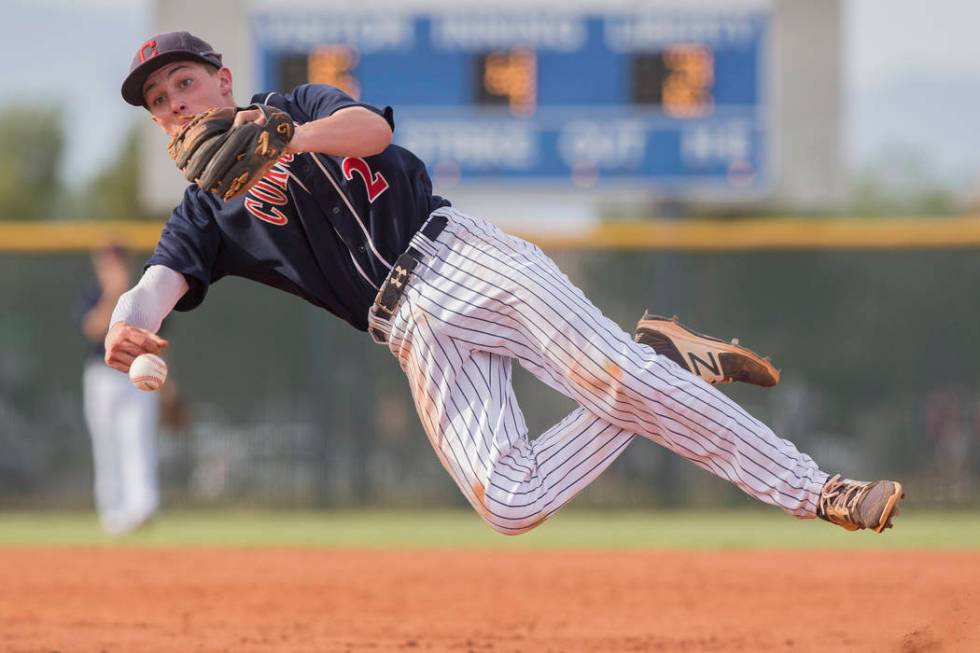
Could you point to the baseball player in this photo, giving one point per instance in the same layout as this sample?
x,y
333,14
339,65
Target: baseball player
x,y
347,221
122,420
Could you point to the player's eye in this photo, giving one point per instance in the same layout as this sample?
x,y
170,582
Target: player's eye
x,y
157,101
184,83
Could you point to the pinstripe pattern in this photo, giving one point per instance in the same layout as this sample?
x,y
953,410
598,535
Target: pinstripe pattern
x,y
480,299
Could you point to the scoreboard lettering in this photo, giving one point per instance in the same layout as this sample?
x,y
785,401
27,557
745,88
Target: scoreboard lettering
x,y
663,100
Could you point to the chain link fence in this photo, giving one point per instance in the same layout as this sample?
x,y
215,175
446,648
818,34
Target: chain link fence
x,y
288,406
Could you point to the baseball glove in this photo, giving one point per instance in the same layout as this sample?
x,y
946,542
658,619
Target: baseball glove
x,y
225,159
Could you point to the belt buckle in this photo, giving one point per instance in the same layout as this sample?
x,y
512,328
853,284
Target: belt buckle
x,y
394,286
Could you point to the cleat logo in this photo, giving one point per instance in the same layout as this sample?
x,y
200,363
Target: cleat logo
x,y
710,364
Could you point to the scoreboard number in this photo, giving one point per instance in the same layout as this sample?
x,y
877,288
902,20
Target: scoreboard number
x,y
508,77
679,80
328,64
334,65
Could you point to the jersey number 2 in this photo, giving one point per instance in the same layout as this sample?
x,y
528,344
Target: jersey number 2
x,y
375,182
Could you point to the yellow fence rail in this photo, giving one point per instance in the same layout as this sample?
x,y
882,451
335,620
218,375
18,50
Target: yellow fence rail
x,y
695,235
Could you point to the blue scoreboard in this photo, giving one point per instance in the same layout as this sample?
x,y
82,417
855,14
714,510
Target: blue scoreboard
x,y
670,101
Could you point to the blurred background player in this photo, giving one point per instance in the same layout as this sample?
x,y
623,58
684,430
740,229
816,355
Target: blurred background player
x,y
122,420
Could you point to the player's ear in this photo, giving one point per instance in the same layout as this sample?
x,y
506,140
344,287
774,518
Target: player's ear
x,y
224,81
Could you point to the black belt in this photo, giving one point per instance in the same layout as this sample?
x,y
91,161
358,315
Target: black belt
x,y
394,286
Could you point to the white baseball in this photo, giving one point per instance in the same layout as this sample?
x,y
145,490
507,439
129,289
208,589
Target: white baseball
x,y
148,372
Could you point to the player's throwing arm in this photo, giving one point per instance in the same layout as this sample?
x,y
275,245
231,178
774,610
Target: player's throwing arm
x,y
139,314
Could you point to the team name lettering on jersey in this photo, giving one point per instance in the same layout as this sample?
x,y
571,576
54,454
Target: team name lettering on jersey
x,y
269,193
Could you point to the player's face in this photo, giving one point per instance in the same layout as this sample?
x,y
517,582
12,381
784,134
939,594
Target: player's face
x,y
181,89
111,269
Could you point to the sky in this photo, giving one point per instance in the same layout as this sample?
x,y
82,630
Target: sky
x,y
74,53
911,76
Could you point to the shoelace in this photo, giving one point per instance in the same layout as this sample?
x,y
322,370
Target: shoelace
x,y
840,499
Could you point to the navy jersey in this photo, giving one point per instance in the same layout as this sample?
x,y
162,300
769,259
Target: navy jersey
x,y
86,300
327,229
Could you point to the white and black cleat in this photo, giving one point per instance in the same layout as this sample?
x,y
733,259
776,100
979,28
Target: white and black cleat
x,y
714,360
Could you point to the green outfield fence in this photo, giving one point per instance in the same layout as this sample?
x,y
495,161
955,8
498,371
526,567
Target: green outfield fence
x,y
874,324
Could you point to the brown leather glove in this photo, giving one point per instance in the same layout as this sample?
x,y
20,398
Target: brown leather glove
x,y
227,159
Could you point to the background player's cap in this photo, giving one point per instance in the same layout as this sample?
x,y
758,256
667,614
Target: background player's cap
x,y
156,53
111,248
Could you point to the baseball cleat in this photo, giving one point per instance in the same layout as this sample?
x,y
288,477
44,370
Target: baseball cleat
x,y
714,360
858,504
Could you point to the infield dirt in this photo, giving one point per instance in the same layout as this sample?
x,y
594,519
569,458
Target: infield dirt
x,y
337,600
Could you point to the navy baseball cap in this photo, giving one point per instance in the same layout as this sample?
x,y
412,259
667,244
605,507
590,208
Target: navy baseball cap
x,y
156,53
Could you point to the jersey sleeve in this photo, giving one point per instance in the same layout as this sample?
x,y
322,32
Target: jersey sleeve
x,y
321,100
190,244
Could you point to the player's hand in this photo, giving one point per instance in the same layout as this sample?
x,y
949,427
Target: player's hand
x,y
249,115
125,342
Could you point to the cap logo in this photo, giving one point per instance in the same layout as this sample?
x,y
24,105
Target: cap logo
x,y
148,50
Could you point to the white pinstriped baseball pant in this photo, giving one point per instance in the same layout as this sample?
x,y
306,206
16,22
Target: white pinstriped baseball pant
x,y
480,298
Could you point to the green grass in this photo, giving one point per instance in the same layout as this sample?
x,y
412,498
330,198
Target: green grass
x,y
572,529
